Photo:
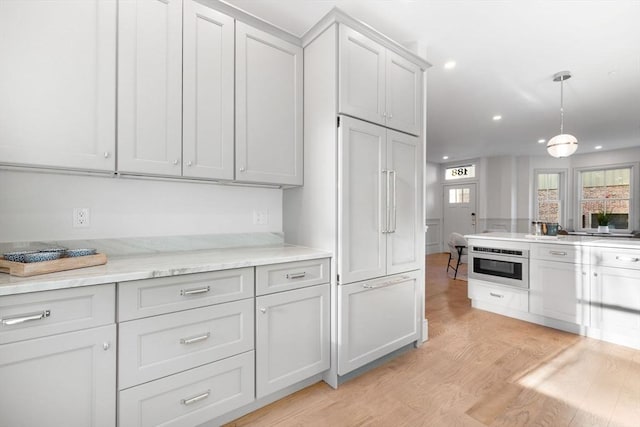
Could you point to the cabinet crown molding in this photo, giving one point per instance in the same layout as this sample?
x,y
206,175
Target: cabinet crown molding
x,y
336,15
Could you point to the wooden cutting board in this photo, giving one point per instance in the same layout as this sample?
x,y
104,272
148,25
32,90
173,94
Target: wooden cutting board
x,y
25,269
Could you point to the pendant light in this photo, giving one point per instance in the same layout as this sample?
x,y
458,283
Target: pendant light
x,y
562,145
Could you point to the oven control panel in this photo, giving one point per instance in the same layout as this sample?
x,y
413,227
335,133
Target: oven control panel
x,y
512,252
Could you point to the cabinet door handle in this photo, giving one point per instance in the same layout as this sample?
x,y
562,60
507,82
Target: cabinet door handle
x,y
385,284
22,318
627,259
193,340
387,202
263,310
493,294
394,202
195,399
296,275
196,291
558,253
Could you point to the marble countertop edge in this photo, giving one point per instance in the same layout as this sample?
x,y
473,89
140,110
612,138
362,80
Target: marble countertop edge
x,y
147,266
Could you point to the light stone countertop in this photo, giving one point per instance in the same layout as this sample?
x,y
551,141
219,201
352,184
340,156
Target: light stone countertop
x,y
575,240
145,266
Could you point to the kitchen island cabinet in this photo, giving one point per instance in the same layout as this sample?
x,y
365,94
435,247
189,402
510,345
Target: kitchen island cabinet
x,y
584,285
559,283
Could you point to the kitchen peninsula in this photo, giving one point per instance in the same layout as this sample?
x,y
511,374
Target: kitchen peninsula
x,y
588,285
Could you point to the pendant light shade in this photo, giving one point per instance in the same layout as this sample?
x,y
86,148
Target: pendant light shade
x,y
562,145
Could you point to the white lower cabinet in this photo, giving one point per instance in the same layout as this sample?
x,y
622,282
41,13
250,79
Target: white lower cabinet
x,y
376,317
60,380
615,304
502,297
292,337
191,397
560,290
164,345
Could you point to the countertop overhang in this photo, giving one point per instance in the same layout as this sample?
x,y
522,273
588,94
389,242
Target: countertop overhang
x,y
598,241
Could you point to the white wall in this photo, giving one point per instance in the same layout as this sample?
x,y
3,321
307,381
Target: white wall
x,y
505,185
433,203
38,207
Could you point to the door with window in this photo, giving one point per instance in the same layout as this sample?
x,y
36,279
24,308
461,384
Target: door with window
x,y
460,210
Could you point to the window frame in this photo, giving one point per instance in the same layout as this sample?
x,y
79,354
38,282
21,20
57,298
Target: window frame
x,y
562,194
632,189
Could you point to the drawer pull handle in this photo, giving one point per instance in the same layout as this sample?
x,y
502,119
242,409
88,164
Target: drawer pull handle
x,y
11,321
195,399
296,275
385,284
194,340
186,292
627,259
493,294
558,253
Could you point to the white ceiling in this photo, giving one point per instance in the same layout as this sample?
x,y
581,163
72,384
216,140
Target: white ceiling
x,y
506,53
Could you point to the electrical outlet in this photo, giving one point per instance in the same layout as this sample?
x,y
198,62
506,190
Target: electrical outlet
x,y
261,217
81,218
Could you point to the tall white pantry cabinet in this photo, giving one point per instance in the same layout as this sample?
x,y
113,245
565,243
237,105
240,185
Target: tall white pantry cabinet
x,y
363,187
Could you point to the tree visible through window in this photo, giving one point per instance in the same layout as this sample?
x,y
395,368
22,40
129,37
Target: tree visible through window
x,y
605,191
548,197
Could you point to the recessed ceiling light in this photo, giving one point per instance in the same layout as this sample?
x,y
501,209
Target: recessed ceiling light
x,y
445,157
542,141
450,65
497,117
598,147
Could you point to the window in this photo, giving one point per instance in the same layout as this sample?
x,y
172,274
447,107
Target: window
x,y
605,191
549,196
460,172
458,195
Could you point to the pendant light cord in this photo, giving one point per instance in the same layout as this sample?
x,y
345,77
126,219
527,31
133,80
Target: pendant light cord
x,y
562,106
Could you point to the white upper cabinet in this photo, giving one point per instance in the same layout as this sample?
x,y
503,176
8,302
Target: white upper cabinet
x,y
378,85
379,201
404,94
361,77
208,57
150,87
57,83
268,108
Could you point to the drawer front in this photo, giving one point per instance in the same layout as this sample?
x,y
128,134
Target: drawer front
x,y
39,314
291,275
143,298
512,299
190,398
622,258
561,253
163,345
376,318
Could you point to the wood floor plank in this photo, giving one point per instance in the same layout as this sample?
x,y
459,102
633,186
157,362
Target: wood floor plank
x,y
477,369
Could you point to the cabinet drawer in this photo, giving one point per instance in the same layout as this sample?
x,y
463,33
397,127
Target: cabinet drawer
x,y
512,299
142,298
561,253
291,275
38,314
376,318
612,257
191,397
158,346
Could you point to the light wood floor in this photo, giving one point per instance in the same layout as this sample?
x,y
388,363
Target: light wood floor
x,y
477,369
